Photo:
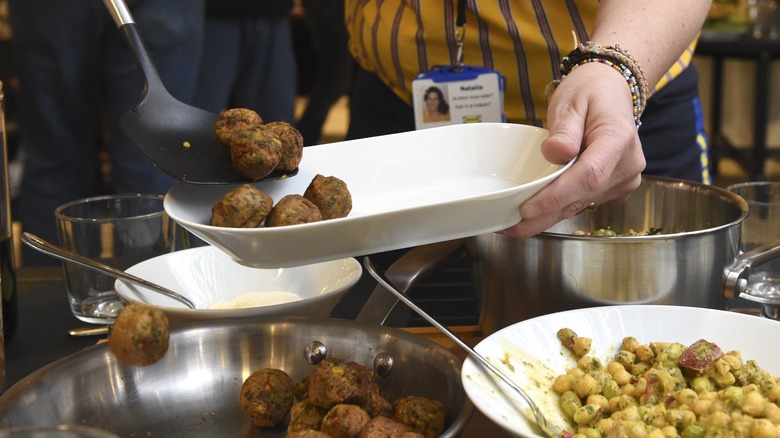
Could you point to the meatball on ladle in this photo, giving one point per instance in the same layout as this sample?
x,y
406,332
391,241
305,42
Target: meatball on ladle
x,y
176,137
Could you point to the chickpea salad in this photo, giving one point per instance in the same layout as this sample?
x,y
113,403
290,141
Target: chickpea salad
x,y
666,389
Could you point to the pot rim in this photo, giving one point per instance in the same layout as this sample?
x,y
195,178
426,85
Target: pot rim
x,y
724,194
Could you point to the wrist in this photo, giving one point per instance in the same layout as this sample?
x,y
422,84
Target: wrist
x,y
615,58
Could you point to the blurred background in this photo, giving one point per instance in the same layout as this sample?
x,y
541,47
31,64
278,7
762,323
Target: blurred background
x,y
733,24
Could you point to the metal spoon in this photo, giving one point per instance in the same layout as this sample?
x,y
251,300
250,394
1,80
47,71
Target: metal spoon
x,y
47,248
545,425
176,137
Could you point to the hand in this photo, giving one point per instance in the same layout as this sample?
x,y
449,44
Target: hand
x,y
590,114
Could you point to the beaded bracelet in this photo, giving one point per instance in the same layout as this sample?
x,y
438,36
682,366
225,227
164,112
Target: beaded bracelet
x,y
614,57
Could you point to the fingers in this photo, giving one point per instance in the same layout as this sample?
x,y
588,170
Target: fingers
x,y
531,226
599,126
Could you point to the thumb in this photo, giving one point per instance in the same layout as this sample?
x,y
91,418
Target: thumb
x,y
564,141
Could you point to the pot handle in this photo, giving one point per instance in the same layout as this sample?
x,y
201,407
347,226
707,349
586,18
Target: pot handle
x,y
411,268
737,276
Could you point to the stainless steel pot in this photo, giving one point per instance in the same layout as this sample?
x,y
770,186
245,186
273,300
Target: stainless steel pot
x,y
193,390
695,261
557,270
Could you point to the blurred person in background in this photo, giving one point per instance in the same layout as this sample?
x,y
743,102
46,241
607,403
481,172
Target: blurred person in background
x,y
590,114
333,65
77,76
248,59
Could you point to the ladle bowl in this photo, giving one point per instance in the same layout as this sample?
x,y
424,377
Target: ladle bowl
x,y
176,137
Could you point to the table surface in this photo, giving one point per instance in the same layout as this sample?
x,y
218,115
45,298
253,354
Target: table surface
x,y
45,319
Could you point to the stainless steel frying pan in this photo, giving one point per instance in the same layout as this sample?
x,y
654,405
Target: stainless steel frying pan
x,y
194,389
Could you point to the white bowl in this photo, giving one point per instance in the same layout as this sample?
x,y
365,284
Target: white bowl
x,y
537,355
408,189
207,276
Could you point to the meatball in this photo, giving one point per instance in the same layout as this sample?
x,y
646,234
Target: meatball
x,y
302,388
344,421
383,427
140,334
255,151
242,207
233,119
377,405
308,433
305,415
423,415
330,195
292,210
292,145
267,396
334,382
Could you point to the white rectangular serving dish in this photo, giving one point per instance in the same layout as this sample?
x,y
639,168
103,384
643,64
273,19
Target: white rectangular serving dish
x,y
408,189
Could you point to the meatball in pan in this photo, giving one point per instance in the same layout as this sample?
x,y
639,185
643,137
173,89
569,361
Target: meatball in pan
x,y
267,396
140,334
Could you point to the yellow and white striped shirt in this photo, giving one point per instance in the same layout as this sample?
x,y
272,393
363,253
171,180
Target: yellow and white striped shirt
x,y
524,40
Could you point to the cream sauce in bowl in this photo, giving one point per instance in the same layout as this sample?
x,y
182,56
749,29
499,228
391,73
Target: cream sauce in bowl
x,y
256,299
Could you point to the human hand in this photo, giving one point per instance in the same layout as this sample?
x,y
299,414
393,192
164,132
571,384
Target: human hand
x,y
590,114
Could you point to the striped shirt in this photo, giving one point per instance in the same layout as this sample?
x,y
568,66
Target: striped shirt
x,y
524,40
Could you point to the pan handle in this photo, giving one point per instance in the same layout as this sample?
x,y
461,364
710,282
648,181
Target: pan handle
x,y
411,268
737,277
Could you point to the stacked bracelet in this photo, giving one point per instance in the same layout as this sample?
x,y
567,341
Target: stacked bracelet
x,y
614,57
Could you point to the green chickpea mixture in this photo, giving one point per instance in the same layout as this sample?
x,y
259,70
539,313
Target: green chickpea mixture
x,y
609,232
666,389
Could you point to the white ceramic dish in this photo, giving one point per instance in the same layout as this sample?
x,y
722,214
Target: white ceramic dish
x,y
207,275
535,339
407,189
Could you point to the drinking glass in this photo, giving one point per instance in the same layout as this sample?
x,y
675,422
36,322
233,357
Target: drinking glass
x,y
762,226
118,230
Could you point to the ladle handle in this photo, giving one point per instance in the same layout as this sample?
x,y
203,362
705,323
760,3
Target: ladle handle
x,y
478,357
45,247
119,12
546,427
126,23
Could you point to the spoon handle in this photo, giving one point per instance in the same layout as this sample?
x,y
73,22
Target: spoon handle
x,y
48,248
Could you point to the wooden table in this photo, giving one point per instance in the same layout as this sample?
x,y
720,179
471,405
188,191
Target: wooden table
x,y
45,318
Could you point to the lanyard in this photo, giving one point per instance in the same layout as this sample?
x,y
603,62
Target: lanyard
x,y
460,31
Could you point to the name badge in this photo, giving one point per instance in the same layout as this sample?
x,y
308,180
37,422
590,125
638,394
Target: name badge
x,y
449,95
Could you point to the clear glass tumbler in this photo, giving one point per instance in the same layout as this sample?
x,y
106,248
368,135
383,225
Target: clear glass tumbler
x,y
118,230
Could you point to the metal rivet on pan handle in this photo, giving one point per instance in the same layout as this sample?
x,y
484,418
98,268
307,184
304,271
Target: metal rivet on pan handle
x,y
383,364
315,352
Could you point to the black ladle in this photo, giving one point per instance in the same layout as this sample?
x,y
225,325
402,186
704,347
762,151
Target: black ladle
x,y
176,137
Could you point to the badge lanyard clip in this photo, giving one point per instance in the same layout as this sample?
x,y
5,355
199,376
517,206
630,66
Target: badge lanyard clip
x,y
460,33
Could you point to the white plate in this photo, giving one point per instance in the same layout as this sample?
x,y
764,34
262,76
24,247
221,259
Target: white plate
x,y
207,275
537,355
407,189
